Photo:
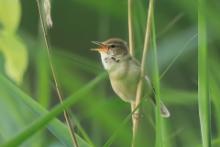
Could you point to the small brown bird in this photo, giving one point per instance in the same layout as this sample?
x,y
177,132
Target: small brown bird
x,y
124,72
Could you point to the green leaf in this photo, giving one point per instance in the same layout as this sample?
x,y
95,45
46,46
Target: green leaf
x,y
56,127
156,81
203,87
15,56
10,13
47,117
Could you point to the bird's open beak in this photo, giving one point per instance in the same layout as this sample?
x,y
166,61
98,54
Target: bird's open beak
x,y
102,47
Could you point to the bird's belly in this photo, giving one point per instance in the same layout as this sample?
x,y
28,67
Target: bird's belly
x,y
124,78
125,89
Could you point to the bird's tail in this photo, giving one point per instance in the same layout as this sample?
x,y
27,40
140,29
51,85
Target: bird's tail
x,y
164,111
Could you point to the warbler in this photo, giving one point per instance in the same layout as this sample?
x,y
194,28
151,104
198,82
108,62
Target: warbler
x,y
124,72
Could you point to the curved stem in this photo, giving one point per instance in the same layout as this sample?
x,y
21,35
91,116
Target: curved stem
x,y
136,119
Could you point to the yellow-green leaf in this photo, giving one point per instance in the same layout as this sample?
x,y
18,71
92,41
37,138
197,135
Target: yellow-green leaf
x,y
15,56
10,12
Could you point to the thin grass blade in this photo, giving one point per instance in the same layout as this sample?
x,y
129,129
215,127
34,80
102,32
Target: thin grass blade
x,y
203,95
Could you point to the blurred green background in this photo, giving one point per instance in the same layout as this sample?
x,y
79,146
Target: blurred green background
x,y
27,88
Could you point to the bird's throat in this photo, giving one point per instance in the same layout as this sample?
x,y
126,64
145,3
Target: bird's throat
x,y
108,62
112,62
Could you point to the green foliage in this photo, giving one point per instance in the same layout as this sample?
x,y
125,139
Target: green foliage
x,y
203,87
56,127
10,13
31,106
40,123
156,83
13,49
15,56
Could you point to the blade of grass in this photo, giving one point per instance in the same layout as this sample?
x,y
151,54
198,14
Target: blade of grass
x,y
108,119
44,120
46,21
169,47
43,79
156,81
82,131
171,24
121,125
78,61
56,127
109,142
139,26
170,96
177,56
214,83
214,94
203,96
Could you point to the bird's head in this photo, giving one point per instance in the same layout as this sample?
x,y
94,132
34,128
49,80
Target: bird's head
x,y
114,47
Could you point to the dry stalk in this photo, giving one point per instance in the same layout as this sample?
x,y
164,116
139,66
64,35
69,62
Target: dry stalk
x,y
130,26
136,119
49,24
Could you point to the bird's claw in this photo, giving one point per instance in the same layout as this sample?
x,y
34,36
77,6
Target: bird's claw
x,y
137,115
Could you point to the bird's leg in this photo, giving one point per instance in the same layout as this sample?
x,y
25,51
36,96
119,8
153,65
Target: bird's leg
x,y
135,112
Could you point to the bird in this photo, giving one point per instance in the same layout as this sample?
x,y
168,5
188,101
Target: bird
x,y
124,72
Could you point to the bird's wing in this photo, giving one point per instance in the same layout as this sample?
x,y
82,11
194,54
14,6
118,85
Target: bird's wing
x,y
163,109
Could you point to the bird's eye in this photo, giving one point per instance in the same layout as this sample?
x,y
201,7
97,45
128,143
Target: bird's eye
x,y
112,46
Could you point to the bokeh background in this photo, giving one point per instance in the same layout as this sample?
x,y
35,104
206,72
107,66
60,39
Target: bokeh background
x,y
27,88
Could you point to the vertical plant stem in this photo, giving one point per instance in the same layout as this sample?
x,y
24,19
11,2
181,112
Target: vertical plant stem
x,y
131,47
136,119
43,73
66,114
156,81
203,96
43,78
131,50
130,28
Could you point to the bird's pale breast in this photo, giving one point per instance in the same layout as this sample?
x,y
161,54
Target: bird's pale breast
x,y
124,78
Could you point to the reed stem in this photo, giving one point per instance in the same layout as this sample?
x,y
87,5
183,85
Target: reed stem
x,y
137,118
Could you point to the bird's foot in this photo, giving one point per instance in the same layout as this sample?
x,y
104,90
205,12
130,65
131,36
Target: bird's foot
x,y
137,115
